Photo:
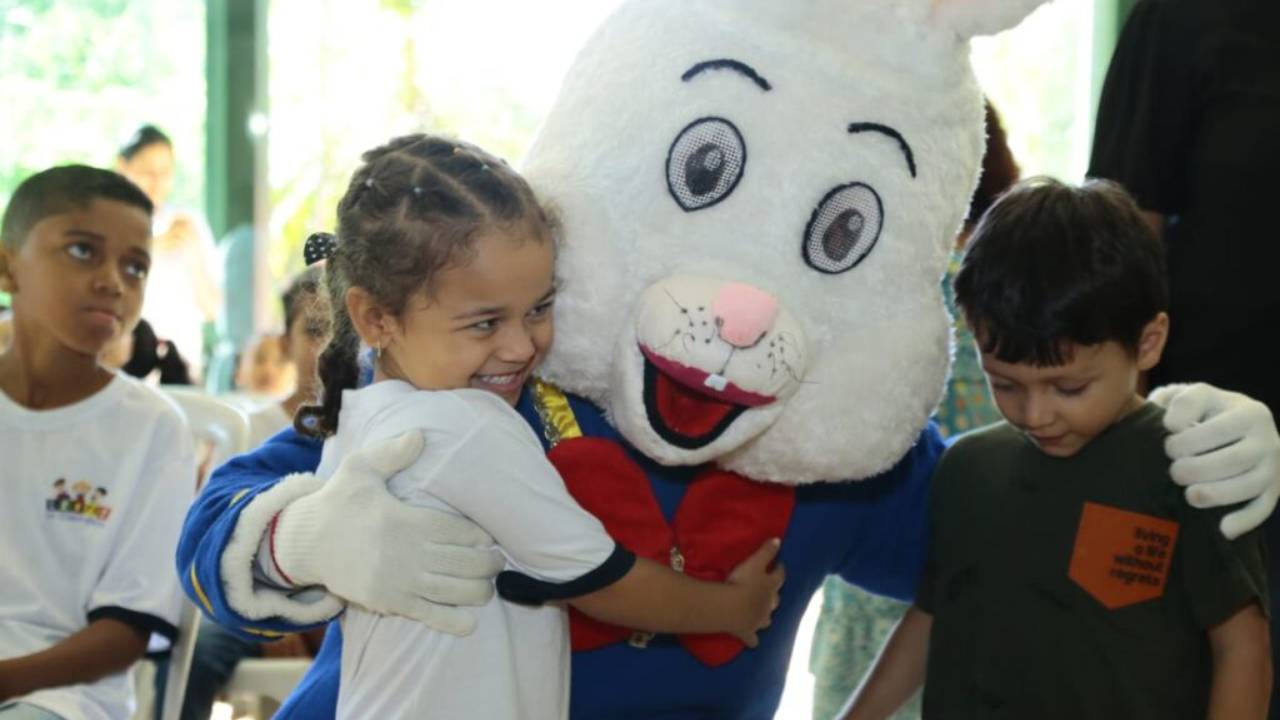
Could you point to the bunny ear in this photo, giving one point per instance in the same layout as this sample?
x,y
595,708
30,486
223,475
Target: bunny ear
x,y
972,18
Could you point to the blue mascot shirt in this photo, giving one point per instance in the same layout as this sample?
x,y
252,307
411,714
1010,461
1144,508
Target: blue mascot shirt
x,y
872,533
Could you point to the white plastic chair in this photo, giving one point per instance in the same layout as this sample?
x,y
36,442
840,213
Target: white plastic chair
x,y
272,678
226,428
222,424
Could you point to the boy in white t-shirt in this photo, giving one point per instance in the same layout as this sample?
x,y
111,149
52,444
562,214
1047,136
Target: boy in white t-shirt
x,y
98,468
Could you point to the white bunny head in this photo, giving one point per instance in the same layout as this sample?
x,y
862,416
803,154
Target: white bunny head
x,y
758,200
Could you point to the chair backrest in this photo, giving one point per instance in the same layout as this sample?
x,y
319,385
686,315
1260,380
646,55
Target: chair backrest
x,y
274,678
213,420
226,427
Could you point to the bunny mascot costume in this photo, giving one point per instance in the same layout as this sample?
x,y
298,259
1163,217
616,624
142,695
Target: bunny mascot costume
x,y
758,200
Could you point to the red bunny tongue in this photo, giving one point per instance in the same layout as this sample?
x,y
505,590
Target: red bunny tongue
x,y
688,407
686,411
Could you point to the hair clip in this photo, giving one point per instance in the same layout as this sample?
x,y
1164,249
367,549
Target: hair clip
x,y
418,192
319,246
368,183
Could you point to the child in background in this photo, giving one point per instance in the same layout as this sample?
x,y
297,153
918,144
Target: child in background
x,y
306,330
83,584
218,651
262,370
1068,577
444,265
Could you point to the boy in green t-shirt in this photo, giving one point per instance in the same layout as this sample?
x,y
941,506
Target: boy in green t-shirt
x,y
1067,576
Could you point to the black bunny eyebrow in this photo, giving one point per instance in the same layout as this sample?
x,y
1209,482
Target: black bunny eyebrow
x,y
861,127
737,66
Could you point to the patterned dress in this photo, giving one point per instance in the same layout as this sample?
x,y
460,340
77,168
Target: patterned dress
x,y
854,624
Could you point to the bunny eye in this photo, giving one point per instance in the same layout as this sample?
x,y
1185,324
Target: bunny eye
x,y
844,229
705,163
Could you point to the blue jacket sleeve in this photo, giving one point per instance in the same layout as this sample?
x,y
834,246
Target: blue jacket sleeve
x,y
211,523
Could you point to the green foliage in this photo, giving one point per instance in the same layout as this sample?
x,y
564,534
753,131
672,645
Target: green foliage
x,y
403,8
1034,75
332,99
78,77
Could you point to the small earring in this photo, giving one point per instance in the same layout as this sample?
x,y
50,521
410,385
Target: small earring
x,y
377,352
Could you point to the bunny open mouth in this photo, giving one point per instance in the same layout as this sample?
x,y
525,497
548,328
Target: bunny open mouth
x,y
688,407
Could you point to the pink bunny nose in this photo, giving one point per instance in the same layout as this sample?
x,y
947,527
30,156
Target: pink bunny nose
x,y
743,314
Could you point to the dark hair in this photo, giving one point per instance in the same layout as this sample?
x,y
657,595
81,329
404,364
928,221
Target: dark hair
x,y
999,170
1051,264
141,139
303,290
59,190
413,208
150,354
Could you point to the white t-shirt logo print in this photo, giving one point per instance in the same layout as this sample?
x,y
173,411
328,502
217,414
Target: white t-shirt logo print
x,y
80,500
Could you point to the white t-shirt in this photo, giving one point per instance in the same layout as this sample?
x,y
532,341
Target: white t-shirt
x,y
266,415
171,305
482,461
94,498
265,421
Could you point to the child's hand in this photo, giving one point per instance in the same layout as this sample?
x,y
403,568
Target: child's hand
x,y
758,592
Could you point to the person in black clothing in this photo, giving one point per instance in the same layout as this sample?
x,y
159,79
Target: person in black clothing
x,y
1188,123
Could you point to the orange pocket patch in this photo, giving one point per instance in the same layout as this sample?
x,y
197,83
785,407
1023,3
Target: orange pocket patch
x,y
1121,557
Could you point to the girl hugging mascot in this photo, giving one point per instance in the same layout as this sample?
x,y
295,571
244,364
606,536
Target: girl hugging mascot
x,y
758,200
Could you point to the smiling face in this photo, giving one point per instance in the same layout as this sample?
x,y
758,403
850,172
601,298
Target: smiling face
x,y
486,324
756,236
77,280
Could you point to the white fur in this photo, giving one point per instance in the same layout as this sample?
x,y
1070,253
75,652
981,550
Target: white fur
x,y
675,319
971,18
875,338
257,602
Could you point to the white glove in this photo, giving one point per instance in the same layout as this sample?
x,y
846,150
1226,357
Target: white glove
x,y
1225,450
367,547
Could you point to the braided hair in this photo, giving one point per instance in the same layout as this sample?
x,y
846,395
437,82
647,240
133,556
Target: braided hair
x,y
414,207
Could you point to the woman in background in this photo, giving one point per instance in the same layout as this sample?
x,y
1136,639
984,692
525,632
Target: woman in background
x,y
184,288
